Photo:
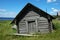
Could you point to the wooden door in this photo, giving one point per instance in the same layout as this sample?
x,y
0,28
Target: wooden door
x,y
31,27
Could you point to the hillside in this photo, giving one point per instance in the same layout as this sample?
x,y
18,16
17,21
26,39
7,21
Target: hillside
x,y
6,31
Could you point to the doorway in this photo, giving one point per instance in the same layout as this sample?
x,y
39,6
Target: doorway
x,y
31,27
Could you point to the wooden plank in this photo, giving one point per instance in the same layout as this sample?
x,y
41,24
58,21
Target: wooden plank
x,y
23,30
43,20
22,22
29,18
42,23
26,26
32,13
22,27
30,35
43,27
36,25
44,30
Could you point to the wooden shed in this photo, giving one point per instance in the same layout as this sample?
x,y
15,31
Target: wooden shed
x,y
32,20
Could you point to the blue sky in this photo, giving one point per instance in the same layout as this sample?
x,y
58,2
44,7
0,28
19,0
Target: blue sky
x,y
10,8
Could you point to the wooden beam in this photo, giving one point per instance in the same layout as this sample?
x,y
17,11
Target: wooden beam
x,y
36,26
27,26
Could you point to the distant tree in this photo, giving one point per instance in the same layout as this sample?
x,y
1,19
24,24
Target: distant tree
x,y
57,14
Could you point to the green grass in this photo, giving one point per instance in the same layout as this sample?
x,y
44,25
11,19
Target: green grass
x,y
6,30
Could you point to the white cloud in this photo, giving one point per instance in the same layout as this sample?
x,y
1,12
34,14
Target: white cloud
x,y
2,10
5,13
48,1
52,8
8,14
54,11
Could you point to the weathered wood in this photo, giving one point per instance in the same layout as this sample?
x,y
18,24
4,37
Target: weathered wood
x,y
44,30
43,25
32,19
32,26
36,25
27,26
31,13
30,35
39,24
22,27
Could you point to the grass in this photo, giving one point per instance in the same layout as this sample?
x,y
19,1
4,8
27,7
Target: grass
x,y
6,30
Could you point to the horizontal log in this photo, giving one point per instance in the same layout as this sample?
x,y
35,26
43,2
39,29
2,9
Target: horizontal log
x,y
23,32
32,13
22,22
42,23
43,27
22,29
44,30
42,20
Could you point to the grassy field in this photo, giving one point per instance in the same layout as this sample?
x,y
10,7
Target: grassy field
x,y
6,30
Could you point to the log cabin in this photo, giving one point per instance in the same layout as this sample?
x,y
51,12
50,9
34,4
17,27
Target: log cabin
x,y
31,20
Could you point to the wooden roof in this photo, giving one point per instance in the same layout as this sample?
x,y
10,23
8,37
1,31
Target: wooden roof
x,y
28,8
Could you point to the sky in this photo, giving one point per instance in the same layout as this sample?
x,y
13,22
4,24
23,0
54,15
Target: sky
x,y
10,8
